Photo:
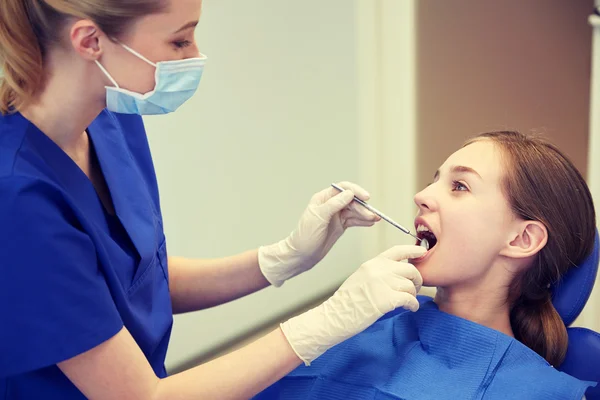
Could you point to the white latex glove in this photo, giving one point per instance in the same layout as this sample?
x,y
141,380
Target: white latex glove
x,y
379,286
327,216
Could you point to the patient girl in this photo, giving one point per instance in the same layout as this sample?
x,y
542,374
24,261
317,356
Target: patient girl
x,y
507,216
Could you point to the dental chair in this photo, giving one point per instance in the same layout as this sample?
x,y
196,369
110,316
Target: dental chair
x,y
569,297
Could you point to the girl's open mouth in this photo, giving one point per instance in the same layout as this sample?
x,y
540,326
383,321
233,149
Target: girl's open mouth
x,y
428,238
429,241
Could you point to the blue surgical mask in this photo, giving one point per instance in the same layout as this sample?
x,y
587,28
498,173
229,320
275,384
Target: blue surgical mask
x,y
175,82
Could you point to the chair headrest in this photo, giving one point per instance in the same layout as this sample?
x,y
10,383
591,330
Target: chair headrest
x,y
573,291
583,358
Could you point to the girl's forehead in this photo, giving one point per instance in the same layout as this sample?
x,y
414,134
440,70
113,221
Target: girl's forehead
x,y
482,156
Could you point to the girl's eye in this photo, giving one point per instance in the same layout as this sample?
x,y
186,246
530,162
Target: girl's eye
x,y
459,187
180,44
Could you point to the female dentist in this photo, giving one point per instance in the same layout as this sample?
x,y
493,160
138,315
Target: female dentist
x,y
87,294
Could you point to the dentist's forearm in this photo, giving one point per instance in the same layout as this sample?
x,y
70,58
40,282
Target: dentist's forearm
x,y
197,284
236,376
118,369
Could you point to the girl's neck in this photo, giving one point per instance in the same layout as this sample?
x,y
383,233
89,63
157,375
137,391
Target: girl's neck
x,y
485,307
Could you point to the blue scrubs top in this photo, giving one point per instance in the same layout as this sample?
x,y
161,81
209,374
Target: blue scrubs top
x,y
72,275
426,355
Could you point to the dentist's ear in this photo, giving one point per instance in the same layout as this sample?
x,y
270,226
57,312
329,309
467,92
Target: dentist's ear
x,y
527,240
85,39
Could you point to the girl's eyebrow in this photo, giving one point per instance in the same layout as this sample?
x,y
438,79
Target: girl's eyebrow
x,y
458,169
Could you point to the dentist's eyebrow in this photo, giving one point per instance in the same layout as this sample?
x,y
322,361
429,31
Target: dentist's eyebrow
x,y
191,24
459,169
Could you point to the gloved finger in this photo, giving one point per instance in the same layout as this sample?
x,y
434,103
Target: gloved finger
x,y
361,212
408,271
335,204
401,284
405,300
353,222
399,253
321,197
349,213
380,264
327,193
357,190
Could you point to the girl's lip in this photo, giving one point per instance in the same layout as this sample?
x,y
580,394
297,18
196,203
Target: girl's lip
x,y
421,221
423,257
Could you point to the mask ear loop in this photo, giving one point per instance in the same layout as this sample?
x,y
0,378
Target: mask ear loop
x,y
107,74
135,53
132,51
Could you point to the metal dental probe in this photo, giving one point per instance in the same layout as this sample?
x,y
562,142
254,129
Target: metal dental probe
x,y
382,215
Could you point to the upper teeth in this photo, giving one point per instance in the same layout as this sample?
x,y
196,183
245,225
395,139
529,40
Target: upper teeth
x,y
422,228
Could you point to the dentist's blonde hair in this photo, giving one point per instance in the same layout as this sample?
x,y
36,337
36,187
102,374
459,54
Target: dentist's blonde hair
x,y
29,28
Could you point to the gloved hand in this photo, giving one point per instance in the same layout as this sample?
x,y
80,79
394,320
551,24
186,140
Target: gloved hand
x,y
376,288
327,216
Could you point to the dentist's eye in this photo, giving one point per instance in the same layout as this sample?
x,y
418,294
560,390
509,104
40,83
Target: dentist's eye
x,y
459,187
180,44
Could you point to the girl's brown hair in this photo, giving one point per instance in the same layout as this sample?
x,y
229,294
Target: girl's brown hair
x,y
542,184
29,28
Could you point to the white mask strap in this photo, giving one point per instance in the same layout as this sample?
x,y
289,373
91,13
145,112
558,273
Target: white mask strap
x,y
107,74
135,53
